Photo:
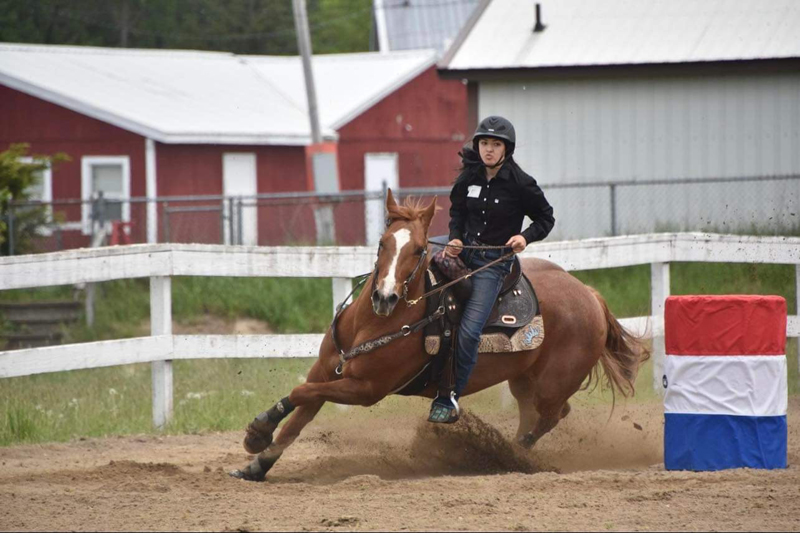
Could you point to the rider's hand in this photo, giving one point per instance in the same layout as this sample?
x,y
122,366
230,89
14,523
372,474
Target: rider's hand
x,y
517,243
452,249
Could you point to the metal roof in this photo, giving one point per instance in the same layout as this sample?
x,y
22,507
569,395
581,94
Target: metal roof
x,y
347,84
626,32
415,24
177,96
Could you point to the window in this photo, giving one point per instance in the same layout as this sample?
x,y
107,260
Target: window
x,y
42,191
110,176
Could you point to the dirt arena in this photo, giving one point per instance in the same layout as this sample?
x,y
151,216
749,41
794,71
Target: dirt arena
x,y
357,473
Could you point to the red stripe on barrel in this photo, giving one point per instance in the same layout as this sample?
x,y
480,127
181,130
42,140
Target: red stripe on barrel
x,y
725,325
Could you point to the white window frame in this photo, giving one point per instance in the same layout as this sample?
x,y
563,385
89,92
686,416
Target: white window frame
x,y
87,162
47,193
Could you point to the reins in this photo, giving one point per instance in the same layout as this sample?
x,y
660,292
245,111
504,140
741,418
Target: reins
x,y
465,276
406,330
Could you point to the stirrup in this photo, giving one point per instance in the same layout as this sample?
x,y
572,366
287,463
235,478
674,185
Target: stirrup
x,y
444,414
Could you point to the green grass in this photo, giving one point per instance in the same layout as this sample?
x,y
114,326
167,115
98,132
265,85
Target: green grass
x,y
219,395
122,310
627,289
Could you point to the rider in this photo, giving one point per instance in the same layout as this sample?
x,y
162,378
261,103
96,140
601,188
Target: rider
x,y
489,200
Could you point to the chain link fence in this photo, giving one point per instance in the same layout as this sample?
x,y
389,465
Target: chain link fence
x,y
765,205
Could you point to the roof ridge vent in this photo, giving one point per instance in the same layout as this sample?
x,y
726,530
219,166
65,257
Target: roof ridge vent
x,y
539,26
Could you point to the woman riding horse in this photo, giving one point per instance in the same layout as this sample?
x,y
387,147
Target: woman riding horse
x,y
582,335
488,202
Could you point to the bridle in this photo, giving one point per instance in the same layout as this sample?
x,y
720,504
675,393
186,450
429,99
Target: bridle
x,y
404,331
409,280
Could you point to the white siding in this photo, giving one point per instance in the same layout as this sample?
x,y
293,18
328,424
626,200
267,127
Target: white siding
x,y
596,130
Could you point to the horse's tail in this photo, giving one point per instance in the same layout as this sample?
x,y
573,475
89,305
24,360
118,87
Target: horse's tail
x,y
622,354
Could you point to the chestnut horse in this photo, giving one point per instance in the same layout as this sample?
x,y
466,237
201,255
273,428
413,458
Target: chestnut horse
x,y
581,334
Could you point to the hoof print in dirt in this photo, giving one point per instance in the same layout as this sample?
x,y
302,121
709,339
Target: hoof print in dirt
x,y
341,521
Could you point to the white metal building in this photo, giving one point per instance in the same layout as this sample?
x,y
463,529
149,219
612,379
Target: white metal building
x,y
629,91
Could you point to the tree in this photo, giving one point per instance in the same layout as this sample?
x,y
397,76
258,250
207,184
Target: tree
x,y
239,26
16,180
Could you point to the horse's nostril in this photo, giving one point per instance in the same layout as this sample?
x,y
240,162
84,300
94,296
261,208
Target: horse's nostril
x,y
393,299
375,296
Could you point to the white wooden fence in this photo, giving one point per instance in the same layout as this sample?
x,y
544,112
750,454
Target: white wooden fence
x,y
160,262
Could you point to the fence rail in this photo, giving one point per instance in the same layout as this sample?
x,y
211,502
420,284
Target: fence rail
x,y
160,262
761,204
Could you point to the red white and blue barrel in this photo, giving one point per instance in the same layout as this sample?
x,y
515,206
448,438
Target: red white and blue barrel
x,y
725,380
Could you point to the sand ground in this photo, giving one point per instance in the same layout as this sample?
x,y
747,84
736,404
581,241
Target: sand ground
x,y
398,473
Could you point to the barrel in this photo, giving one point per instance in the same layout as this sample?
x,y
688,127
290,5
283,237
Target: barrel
x,y
726,382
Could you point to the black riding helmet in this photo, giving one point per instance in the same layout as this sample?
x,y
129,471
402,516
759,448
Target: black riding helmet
x,y
498,128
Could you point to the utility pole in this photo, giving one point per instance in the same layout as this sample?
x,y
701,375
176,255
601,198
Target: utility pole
x,y
304,46
323,164
124,21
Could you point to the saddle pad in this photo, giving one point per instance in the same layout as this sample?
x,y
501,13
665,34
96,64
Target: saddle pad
x,y
528,337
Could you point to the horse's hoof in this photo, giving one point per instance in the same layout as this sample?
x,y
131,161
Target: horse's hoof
x,y
526,441
255,443
249,473
258,436
241,474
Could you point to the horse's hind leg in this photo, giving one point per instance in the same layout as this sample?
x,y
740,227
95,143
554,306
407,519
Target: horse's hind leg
x,y
536,415
521,388
549,416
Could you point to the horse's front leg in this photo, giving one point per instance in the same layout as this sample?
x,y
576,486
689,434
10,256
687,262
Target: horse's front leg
x,y
272,451
307,399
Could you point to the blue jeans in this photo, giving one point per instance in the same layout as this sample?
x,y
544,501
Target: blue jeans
x,y
486,286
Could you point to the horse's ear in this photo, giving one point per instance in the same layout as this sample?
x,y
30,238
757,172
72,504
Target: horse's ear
x,y
427,214
391,207
390,200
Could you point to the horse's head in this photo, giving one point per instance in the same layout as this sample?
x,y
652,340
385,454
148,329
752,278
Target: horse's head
x,y
401,252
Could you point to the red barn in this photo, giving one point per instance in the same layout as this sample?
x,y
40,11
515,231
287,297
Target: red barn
x,y
145,124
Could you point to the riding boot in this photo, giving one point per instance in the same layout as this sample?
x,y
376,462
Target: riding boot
x,y
445,409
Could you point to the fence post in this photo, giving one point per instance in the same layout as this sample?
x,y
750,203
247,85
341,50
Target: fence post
x,y
659,291
10,229
222,221
88,303
165,221
384,193
613,209
341,288
231,220
161,324
239,223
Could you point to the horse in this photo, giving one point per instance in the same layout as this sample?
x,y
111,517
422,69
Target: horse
x,y
581,335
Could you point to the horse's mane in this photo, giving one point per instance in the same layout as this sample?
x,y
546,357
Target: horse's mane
x,y
411,209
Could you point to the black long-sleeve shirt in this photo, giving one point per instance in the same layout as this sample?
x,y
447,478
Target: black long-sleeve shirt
x,y
492,211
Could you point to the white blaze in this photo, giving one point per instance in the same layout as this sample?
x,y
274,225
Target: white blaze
x,y
386,285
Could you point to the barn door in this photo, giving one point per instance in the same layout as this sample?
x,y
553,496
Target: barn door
x,y
379,169
239,180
